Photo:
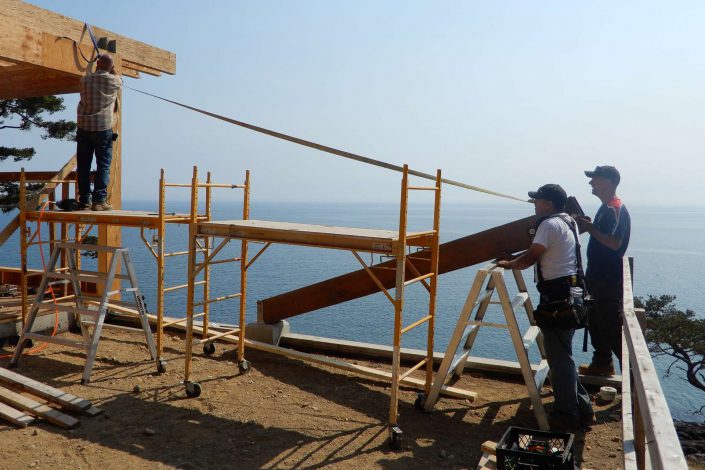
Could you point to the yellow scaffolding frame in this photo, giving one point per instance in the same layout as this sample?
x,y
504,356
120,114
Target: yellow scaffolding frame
x,y
350,239
84,221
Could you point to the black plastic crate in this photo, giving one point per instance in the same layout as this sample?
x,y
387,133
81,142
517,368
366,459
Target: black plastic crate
x,y
531,449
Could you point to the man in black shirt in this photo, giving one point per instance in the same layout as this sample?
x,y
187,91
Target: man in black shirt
x,y
609,239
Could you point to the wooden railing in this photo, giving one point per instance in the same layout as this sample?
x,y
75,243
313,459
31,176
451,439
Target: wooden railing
x,y
649,436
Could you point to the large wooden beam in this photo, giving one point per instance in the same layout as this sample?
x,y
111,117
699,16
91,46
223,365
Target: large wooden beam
x,y
457,254
30,81
46,63
59,25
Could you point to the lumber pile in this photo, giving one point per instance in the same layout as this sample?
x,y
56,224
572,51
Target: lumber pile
x,y
24,400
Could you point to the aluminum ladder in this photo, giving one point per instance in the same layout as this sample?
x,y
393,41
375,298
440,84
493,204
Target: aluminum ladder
x,y
87,313
467,328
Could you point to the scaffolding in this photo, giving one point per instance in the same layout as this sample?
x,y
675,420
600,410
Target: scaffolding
x,y
384,242
85,220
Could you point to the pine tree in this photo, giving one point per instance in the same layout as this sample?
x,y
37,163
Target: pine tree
x,y
25,114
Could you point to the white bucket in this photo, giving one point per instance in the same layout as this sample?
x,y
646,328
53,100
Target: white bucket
x,y
608,394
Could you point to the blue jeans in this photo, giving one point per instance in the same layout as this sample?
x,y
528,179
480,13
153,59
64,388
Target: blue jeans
x,y
88,142
570,396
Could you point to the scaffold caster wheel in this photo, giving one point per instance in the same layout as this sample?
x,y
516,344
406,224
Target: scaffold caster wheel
x,y
208,349
161,366
84,381
395,439
244,366
420,402
193,389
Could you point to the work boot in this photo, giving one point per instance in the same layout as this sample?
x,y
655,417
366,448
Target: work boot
x,y
598,370
102,206
84,205
587,420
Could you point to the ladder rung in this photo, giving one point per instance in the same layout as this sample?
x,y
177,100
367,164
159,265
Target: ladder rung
x,y
416,323
420,278
84,276
114,326
541,374
423,188
56,340
71,309
495,302
213,337
530,336
408,372
86,247
490,324
519,300
217,299
182,286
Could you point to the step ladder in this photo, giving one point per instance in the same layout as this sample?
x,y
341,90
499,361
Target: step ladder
x,y
467,328
88,313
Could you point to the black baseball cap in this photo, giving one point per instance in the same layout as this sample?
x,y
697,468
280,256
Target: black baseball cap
x,y
551,192
607,172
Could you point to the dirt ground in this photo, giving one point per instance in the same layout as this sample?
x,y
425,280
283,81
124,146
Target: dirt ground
x,y
282,414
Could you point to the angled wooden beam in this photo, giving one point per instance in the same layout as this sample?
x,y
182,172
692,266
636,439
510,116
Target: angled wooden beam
x,y
59,25
29,81
48,188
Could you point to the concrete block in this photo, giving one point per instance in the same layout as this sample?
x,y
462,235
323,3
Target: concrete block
x,y
265,333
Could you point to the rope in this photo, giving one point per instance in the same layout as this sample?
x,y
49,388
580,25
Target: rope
x,y
323,148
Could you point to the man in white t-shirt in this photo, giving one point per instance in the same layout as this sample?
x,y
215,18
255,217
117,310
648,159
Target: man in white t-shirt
x,y
553,251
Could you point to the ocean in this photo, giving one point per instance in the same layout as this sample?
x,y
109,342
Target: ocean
x,y
667,260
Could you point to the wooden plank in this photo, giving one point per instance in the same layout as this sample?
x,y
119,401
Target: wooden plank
x,y
457,254
60,25
489,447
15,416
37,409
487,462
48,188
47,392
663,445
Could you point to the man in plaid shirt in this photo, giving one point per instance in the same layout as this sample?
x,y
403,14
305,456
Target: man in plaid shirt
x,y
99,93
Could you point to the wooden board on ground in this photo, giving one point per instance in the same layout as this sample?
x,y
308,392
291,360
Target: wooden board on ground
x,y
487,462
37,409
16,417
54,395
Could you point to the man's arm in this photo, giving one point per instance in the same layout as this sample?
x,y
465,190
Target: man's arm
x,y
527,259
610,241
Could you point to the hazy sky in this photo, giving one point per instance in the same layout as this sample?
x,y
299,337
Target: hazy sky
x,y
505,95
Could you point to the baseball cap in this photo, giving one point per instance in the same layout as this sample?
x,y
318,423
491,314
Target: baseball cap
x,y
550,192
607,172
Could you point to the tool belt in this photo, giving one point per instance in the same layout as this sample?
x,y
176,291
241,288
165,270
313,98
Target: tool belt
x,y
555,310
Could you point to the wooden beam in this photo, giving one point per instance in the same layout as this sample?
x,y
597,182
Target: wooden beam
x,y
37,409
14,416
59,25
35,81
48,188
54,395
55,60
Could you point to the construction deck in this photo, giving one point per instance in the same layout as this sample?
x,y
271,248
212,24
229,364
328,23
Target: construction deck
x,y
121,218
345,238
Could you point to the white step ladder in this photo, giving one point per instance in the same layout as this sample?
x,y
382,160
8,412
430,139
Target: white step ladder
x,y
466,331
86,314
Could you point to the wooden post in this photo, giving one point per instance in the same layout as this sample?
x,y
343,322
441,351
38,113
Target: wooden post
x,y
399,299
434,282
207,267
160,264
111,235
192,229
23,245
243,270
